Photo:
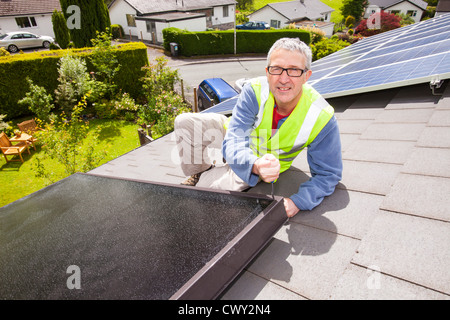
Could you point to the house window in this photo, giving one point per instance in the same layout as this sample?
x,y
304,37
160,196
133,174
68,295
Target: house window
x,y
151,26
395,11
26,22
275,24
411,13
225,11
130,20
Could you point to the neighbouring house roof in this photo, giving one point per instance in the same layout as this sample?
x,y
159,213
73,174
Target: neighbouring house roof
x,y
27,7
383,4
443,6
172,16
299,10
159,6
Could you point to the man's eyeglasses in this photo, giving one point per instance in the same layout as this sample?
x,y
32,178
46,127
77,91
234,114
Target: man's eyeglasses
x,y
291,72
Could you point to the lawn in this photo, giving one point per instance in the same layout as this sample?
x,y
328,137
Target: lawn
x,y
18,179
336,16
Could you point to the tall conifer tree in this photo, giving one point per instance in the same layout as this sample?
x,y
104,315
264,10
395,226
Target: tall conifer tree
x,y
93,16
60,29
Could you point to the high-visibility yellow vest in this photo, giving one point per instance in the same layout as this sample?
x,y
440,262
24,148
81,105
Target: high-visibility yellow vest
x,y
302,126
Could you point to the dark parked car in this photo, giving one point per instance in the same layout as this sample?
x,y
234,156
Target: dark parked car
x,y
15,41
253,25
213,91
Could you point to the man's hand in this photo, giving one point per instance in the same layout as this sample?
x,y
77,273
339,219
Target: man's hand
x,y
267,167
290,207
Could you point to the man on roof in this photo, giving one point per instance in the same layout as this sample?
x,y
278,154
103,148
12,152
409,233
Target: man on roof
x,y
275,118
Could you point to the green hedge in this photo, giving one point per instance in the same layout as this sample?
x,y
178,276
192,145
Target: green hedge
x,y
42,68
222,42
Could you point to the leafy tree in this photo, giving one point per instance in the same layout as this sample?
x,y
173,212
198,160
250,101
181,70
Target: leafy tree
x,y
354,8
93,17
104,60
379,22
244,4
60,29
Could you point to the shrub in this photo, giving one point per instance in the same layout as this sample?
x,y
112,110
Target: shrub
x,y
38,101
3,125
316,34
163,104
350,20
63,140
74,82
162,115
42,68
326,47
158,78
382,22
117,31
4,52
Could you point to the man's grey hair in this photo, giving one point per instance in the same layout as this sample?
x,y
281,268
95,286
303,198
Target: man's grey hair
x,y
292,44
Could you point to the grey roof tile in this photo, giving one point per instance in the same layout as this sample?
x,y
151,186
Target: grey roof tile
x,y
393,131
404,116
395,152
353,126
360,113
370,177
350,212
360,283
440,118
254,287
304,259
409,248
428,161
420,195
437,137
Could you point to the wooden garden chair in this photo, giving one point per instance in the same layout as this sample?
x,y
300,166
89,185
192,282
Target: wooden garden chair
x,y
8,149
29,127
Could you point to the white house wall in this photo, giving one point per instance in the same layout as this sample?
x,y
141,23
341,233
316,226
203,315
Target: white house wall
x,y
44,25
118,15
403,7
218,17
267,14
198,24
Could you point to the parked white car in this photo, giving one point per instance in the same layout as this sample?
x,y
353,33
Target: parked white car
x,y
15,41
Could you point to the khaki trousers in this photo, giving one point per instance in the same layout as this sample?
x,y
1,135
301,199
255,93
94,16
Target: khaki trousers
x,y
199,138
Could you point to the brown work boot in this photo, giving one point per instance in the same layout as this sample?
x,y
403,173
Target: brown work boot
x,y
192,180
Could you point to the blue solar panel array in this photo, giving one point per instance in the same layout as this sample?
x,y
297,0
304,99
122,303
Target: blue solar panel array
x,y
413,54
